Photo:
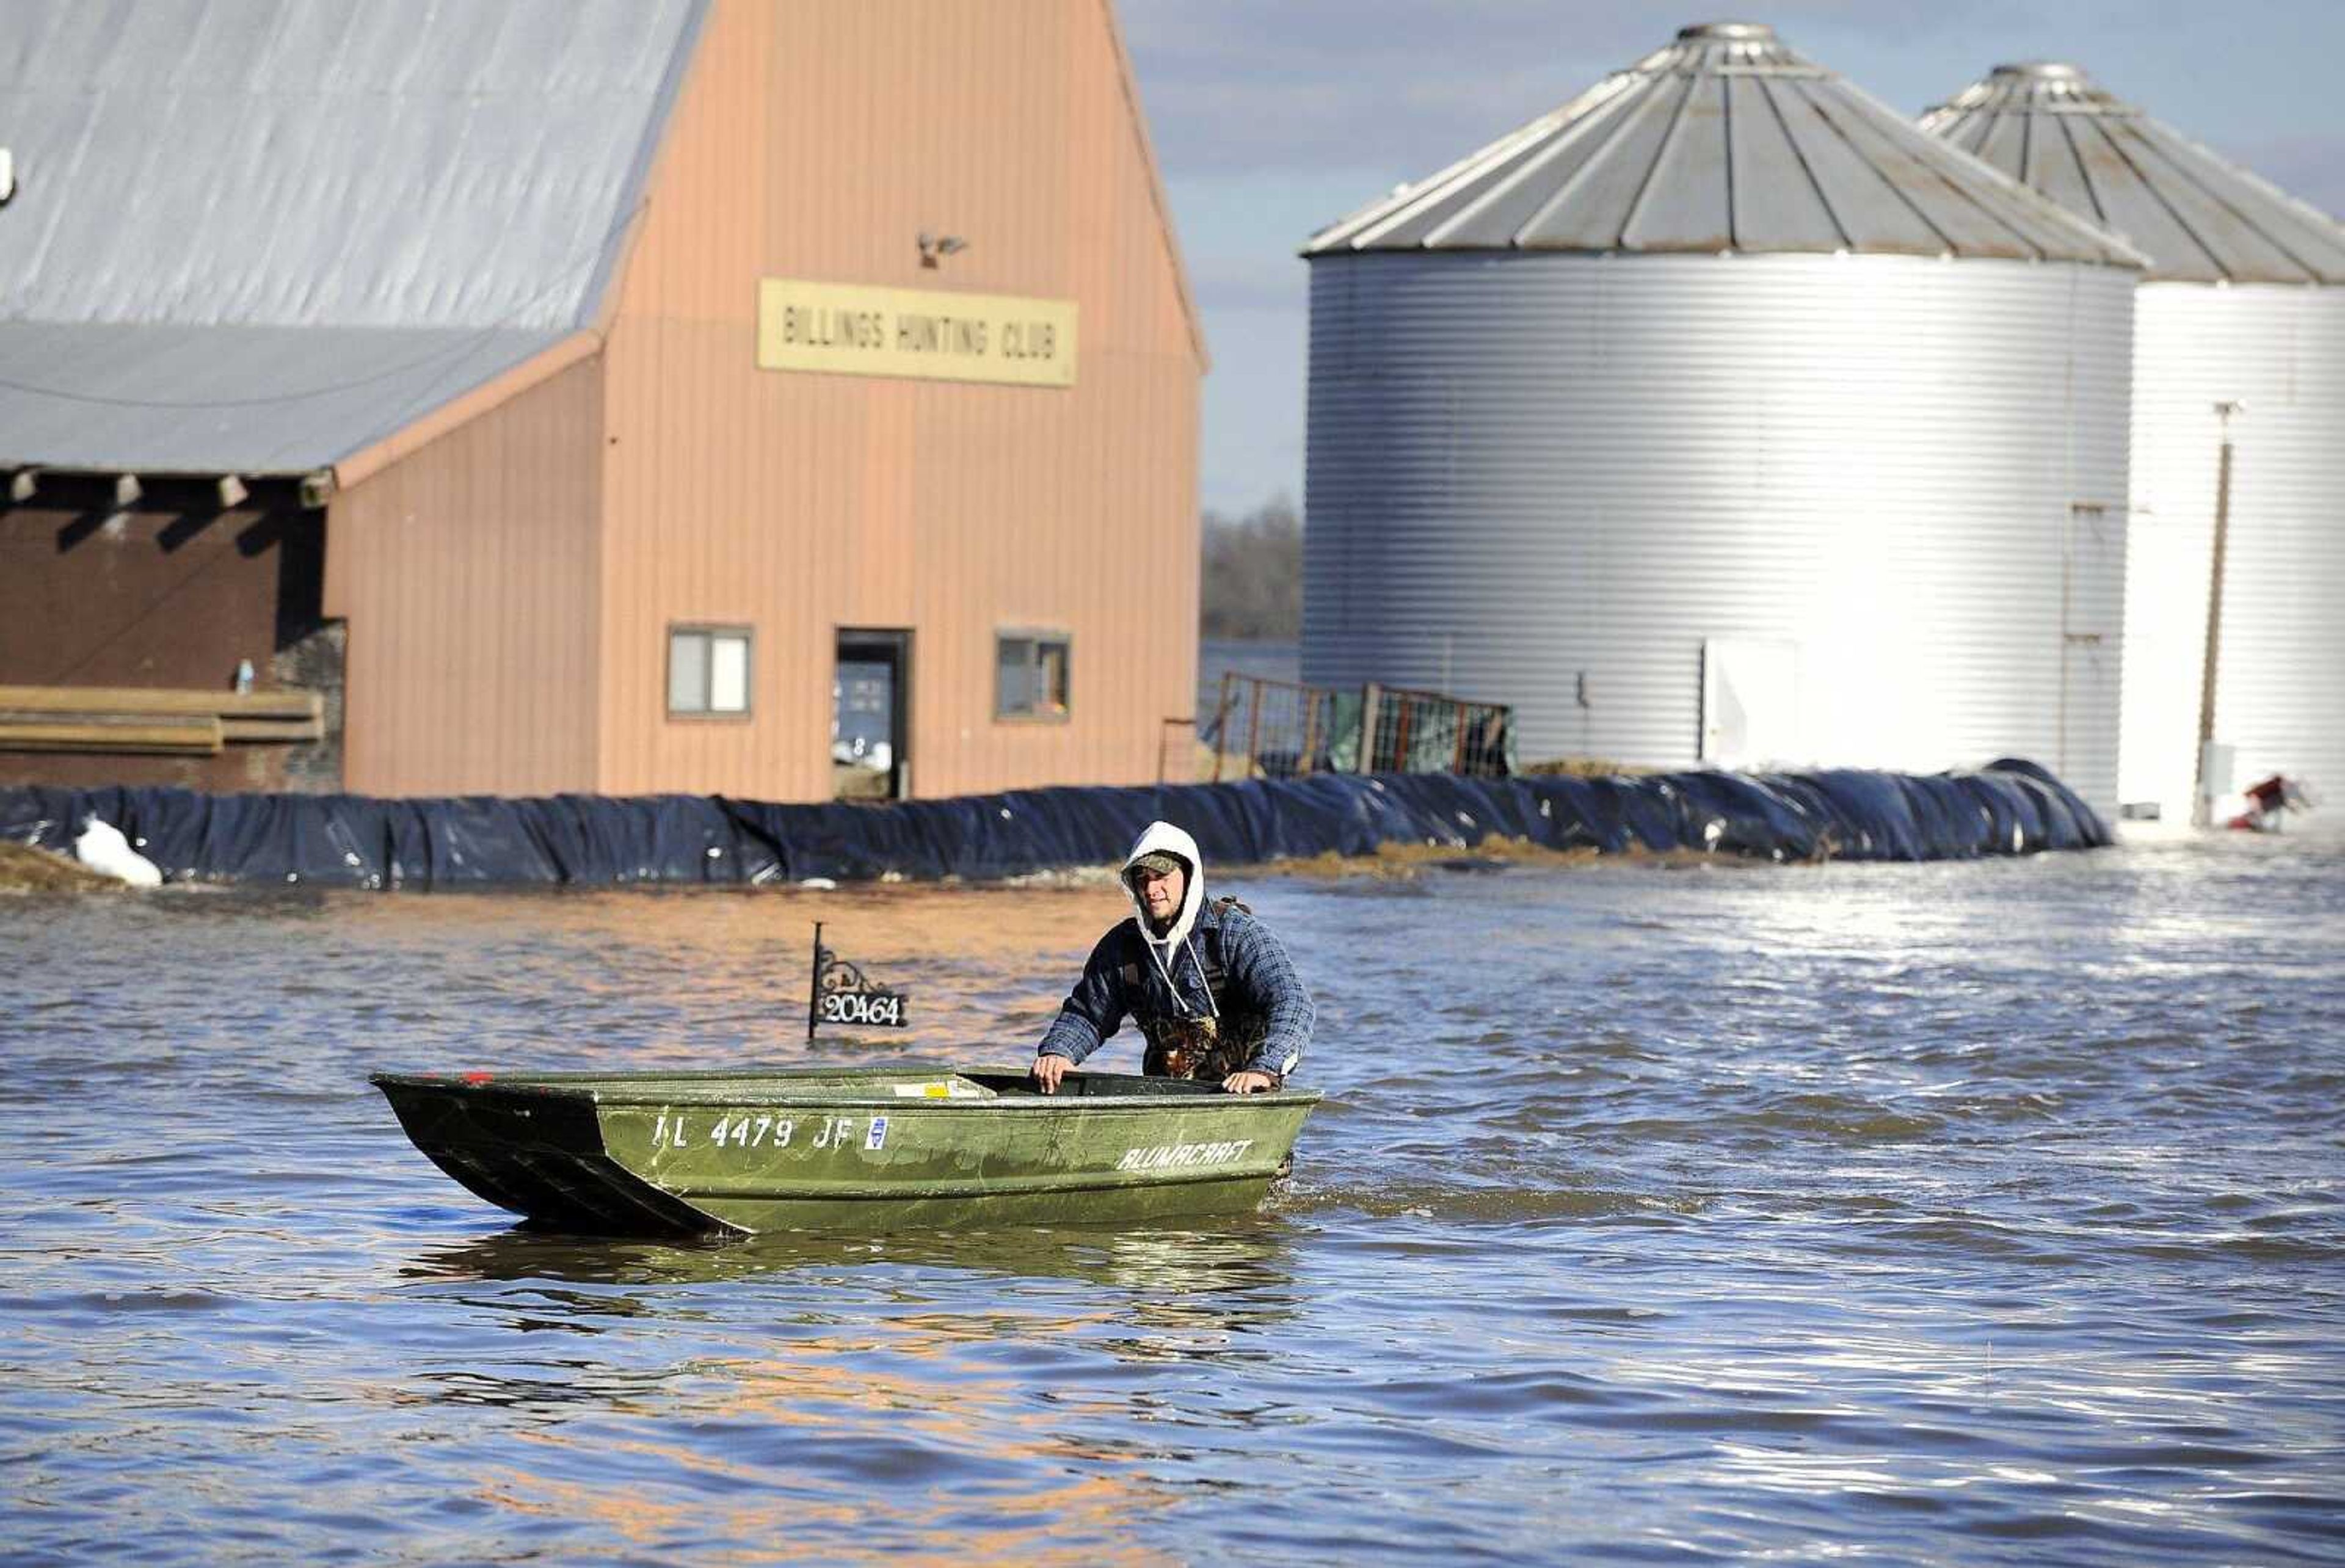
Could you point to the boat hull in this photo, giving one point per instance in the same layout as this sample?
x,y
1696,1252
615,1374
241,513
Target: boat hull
x,y
678,1153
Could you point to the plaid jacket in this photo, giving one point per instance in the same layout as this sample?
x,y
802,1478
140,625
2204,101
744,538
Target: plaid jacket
x,y
1259,989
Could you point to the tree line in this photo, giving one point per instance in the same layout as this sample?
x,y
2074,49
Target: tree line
x,y
1250,587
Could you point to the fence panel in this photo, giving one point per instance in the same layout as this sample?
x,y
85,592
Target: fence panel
x,y
1264,728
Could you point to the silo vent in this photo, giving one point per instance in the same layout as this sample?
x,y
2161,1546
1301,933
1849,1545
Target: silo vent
x,y
2040,71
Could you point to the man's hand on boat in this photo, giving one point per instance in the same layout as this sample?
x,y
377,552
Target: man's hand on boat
x,y
1049,1069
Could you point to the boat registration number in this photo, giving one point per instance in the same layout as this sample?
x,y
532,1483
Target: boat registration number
x,y
675,1130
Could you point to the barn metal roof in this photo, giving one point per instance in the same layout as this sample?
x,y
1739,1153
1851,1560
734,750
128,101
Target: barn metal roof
x,y
159,398
2198,216
1725,140
259,235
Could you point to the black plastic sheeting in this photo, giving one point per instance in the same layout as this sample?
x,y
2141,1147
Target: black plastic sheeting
x,y
2011,807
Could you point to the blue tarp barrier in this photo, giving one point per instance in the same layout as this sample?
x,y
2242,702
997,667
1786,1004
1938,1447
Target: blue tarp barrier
x,y
2011,807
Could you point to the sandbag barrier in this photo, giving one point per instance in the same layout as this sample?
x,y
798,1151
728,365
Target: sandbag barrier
x,y
2011,807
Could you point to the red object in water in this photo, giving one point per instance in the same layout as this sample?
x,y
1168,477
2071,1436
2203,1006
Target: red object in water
x,y
2268,800
476,1078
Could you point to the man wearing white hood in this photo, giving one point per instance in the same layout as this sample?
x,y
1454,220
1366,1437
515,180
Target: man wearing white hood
x,y
1208,984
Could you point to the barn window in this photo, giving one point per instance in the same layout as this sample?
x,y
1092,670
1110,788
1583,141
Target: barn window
x,y
1030,680
707,669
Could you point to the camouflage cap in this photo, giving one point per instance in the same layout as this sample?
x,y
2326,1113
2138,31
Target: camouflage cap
x,y
1156,863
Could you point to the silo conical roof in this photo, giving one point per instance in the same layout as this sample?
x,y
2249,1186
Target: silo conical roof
x,y
2198,216
1725,140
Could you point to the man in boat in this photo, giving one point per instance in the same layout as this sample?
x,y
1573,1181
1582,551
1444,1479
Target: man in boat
x,y
1210,987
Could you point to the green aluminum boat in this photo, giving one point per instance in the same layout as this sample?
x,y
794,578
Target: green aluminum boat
x,y
822,1149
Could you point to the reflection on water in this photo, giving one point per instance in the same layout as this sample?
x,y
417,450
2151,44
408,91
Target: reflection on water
x,y
1230,1265
938,1373
1961,1213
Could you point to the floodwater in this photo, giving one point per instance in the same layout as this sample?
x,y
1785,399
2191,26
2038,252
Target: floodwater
x,y
1981,1213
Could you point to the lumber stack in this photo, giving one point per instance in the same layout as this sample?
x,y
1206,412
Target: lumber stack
x,y
159,720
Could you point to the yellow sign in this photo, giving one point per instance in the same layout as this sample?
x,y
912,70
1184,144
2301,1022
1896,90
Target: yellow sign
x,y
851,329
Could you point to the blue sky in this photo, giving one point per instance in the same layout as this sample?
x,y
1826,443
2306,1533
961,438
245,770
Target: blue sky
x,y
1272,118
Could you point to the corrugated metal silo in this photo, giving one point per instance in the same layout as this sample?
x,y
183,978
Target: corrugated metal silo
x,y
2240,304
1723,415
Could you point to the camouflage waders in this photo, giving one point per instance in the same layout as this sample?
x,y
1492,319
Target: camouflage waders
x,y
1194,1048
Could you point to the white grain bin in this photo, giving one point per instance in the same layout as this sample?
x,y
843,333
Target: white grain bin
x,y
2240,304
1723,415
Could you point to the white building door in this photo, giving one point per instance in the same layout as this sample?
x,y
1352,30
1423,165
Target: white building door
x,y
1750,702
